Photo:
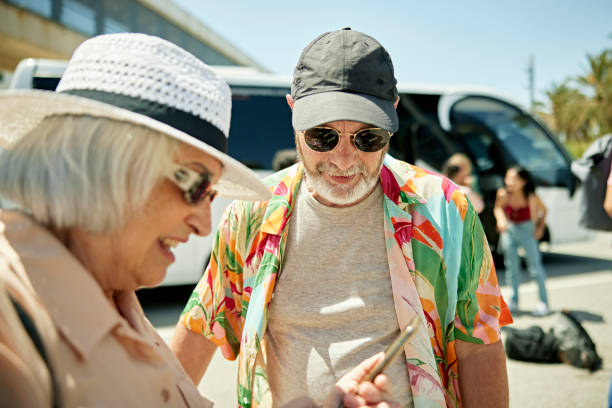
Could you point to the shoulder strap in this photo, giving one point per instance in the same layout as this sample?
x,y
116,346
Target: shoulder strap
x,y
30,328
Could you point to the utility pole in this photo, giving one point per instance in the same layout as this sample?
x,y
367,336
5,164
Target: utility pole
x,y
531,76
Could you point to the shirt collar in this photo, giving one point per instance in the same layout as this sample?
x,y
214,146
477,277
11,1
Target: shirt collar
x,y
281,205
397,182
70,294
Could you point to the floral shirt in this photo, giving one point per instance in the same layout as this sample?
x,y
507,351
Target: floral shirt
x,y
440,266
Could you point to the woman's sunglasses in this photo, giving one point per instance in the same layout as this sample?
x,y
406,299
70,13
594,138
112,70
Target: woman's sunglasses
x,y
324,139
196,186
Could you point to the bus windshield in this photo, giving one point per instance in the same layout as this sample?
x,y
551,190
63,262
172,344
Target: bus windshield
x,y
516,134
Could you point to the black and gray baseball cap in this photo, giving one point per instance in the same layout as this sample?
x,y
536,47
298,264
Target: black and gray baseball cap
x,y
344,75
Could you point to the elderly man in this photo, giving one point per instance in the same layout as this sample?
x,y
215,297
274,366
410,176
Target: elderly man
x,y
350,248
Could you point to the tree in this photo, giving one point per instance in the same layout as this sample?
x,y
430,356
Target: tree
x,y
598,79
581,106
570,110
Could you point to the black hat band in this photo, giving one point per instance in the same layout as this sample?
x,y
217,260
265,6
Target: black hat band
x,y
186,122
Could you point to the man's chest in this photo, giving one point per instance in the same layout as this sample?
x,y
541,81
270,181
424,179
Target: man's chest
x,y
335,267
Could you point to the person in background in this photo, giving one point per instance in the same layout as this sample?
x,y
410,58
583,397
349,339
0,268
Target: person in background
x,y
608,197
608,208
521,221
113,171
458,168
352,245
594,170
284,158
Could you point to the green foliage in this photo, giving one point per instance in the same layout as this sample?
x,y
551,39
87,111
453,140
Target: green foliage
x,y
576,147
581,106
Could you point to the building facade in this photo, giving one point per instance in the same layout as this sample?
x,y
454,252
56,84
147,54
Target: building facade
x,y
54,28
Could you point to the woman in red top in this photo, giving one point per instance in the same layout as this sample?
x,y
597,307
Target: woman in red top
x,y
520,216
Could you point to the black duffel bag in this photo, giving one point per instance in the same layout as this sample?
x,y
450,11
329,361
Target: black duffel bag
x,y
531,344
574,344
566,342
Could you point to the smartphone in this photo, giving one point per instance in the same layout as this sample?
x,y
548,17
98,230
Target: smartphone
x,y
394,349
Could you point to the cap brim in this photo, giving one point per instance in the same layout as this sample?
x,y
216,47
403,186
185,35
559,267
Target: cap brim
x,y
317,109
21,111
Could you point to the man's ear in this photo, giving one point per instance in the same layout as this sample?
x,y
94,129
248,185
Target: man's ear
x,y
290,101
394,103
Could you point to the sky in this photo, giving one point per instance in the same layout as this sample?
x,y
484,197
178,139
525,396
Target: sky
x,y
471,42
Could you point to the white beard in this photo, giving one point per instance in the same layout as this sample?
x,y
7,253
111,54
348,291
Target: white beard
x,y
341,194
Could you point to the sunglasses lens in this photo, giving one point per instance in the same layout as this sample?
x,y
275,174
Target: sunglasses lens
x,y
371,140
321,139
198,190
212,194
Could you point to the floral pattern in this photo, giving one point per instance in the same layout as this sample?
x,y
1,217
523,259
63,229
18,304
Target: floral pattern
x,y
440,265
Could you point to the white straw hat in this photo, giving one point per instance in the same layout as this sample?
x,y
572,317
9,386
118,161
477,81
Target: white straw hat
x,y
146,81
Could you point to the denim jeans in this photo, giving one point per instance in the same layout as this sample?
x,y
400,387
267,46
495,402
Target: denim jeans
x,y
521,235
610,394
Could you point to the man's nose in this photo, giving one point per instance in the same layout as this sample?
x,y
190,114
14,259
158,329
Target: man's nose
x,y
344,154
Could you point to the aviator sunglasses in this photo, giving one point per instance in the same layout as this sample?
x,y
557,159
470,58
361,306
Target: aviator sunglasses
x,y
325,139
196,186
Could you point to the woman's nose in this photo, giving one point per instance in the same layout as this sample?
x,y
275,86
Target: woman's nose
x,y
199,218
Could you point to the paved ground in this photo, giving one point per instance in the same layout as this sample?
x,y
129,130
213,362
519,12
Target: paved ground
x,y
579,279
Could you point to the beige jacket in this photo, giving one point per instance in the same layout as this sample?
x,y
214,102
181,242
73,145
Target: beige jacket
x,y
98,357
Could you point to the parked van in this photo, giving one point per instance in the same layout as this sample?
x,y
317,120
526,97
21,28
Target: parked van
x,y
435,122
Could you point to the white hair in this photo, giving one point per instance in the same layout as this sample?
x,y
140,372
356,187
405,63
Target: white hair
x,y
80,171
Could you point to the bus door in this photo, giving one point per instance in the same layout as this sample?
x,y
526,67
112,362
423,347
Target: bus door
x,y
497,134
420,140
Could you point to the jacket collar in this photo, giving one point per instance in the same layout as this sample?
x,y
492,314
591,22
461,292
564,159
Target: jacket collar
x,y
70,294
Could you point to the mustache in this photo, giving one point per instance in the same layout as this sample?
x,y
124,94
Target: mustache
x,y
332,170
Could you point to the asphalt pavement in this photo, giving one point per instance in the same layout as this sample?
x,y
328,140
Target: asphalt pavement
x,y
579,279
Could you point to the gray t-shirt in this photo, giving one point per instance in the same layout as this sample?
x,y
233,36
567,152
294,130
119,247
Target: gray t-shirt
x,y
333,305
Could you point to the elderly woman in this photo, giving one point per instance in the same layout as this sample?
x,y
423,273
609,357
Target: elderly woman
x,y
113,171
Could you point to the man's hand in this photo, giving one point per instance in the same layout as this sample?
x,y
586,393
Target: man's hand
x,y
351,392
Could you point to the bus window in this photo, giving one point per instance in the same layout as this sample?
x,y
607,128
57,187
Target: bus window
x,y
260,126
429,147
519,135
46,83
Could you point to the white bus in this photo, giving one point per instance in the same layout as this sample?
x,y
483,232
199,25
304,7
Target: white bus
x,y
435,122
